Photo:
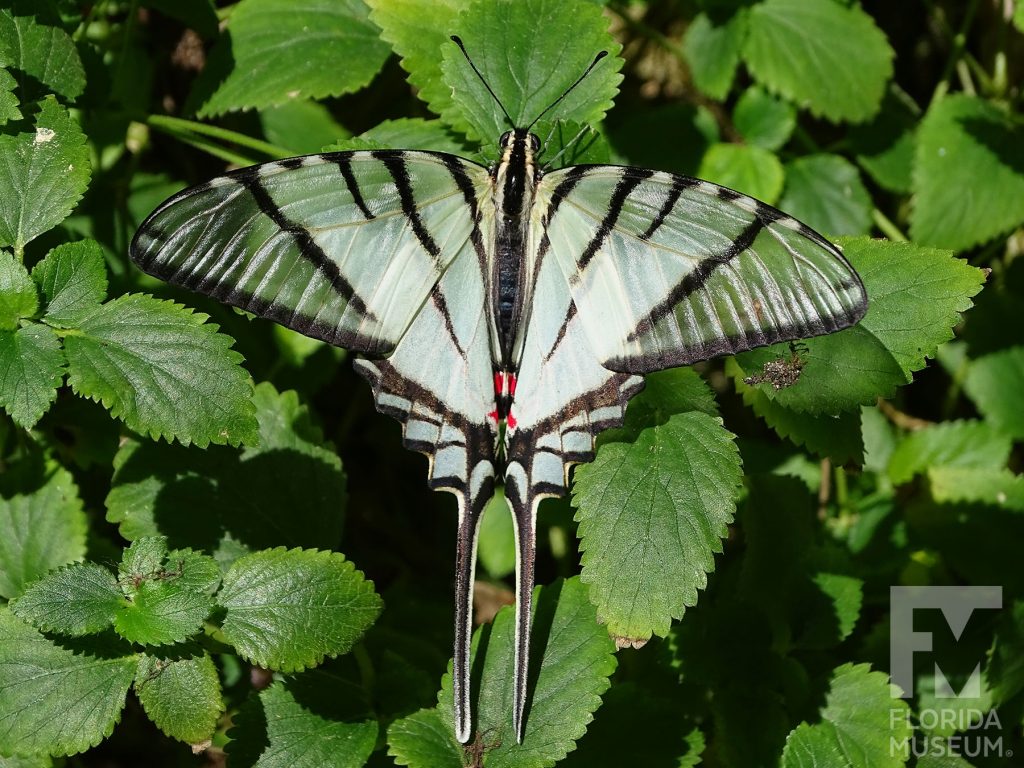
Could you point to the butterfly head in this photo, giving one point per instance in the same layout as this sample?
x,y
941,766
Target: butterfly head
x,y
515,174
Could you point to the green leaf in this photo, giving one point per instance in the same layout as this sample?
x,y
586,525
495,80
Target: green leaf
x,y
992,486
643,512
573,669
751,170
423,739
227,502
835,436
318,719
845,595
859,722
40,529
825,192
995,383
18,296
763,120
180,691
885,146
26,761
163,370
80,599
44,174
828,58
416,30
915,297
415,133
712,49
8,107
45,55
302,127
1004,672
58,699
496,546
1018,17
274,59
953,444
73,280
963,139
529,71
168,594
31,370
287,610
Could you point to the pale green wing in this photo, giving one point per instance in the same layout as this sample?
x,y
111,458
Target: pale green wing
x,y
387,253
668,270
345,247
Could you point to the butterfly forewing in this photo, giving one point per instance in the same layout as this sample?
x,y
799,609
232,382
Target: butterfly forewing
x,y
344,247
668,270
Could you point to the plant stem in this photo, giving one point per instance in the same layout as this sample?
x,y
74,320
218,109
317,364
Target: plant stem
x,y
209,147
886,226
177,126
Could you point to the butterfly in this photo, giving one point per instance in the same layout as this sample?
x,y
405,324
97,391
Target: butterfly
x,y
505,314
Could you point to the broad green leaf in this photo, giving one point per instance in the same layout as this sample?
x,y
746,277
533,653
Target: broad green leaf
x,y
317,719
652,512
995,383
951,443
915,297
416,30
859,722
763,120
963,139
271,57
80,599
845,595
838,436
228,502
31,370
995,487
712,49
303,127
416,133
44,174
44,55
40,529
163,370
196,14
825,192
966,142
169,595
18,296
829,58
73,280
748,169
160,611
570,672
885,146
288,610
26,761
180,691
496,547
425,738
58,699
529,71
8,106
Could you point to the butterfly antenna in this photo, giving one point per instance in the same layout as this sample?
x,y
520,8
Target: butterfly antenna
x,y
458,41
568,90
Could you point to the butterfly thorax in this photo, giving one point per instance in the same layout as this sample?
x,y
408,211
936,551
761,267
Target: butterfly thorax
x,y
514,183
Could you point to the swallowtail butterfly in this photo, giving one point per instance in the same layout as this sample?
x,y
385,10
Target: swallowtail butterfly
x,y
504,315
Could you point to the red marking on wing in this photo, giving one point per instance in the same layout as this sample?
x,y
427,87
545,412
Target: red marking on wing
x,y
511,384
493,415
499,383
510,420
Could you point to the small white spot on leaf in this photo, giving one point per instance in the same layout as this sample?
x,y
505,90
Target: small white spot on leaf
x,y
44,135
